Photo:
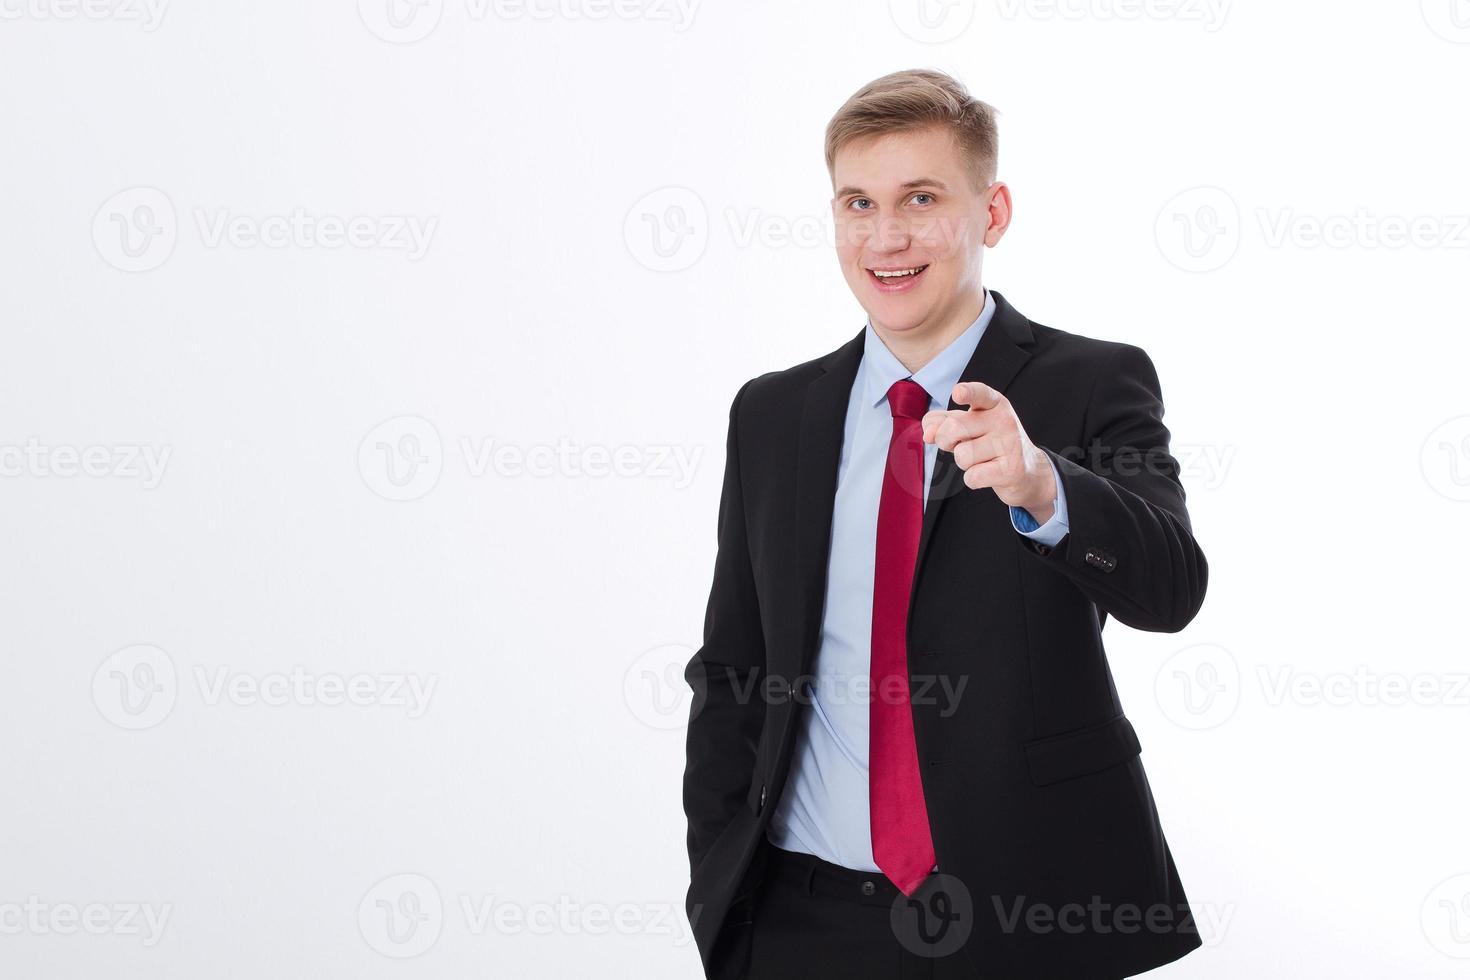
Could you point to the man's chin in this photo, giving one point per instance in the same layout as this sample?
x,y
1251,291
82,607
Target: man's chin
x,y
896,321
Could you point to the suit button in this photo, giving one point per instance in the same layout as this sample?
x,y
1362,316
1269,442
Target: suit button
x,y
869,888
762,804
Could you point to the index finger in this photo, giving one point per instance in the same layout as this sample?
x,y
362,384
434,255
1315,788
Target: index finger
x,y
976,394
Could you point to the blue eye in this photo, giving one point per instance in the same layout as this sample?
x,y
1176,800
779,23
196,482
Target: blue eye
x,y
855,200
921,194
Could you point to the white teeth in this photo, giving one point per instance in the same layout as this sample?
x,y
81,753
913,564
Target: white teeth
x,y
900,272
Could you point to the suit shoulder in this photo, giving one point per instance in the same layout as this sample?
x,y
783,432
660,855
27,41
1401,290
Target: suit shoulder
x,y
780,387
1078,354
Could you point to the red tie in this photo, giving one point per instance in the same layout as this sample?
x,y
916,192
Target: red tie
x,y
902,846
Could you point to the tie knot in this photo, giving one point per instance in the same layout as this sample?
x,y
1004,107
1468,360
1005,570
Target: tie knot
x,y
907,399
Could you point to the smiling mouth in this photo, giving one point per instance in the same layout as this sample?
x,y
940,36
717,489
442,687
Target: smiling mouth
x,y
896,280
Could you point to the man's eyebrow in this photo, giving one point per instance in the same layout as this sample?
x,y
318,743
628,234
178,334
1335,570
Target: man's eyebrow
x,y
906,185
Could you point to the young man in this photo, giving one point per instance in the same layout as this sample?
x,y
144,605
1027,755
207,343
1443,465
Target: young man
x,y
906,757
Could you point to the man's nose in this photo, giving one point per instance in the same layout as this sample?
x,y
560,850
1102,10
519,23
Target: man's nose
x,y
890,235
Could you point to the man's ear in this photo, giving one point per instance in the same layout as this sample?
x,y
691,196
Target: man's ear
x,y
999,207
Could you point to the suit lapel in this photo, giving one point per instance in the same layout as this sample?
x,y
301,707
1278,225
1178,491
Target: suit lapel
x,y
1002,351
819,452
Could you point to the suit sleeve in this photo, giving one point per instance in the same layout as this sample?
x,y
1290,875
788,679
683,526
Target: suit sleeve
x,y
1129,545
725,674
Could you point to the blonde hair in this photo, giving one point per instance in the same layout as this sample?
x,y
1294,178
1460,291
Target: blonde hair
x,y
919,97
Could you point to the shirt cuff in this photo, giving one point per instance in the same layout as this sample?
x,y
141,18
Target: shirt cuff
x,y
1053,530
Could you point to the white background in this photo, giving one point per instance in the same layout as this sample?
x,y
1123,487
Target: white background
x,y
1226,186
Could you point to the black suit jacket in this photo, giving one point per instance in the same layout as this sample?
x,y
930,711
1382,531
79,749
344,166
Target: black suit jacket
x,y
1037,798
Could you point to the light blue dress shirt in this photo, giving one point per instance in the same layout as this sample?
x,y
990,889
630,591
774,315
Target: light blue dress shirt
x,y
824,808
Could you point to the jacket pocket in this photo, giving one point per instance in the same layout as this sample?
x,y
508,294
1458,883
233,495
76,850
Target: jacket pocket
x,y
1081,751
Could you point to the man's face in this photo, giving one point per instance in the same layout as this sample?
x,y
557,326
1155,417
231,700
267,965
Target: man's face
x,y
907,201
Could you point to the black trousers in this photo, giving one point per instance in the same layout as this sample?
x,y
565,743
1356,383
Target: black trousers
x,y
814,920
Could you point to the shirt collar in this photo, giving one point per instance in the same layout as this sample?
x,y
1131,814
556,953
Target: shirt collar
x,y
881,369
